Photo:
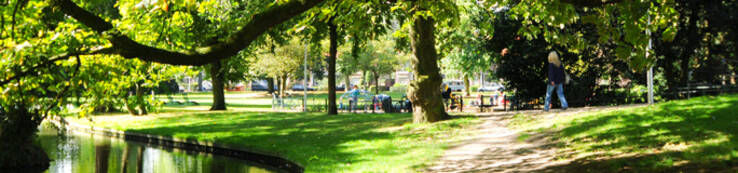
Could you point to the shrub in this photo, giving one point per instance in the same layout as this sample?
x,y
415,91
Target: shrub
x,y
398,88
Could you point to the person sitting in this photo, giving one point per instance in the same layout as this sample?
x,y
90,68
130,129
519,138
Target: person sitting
x,y
446,95
454,102
354,94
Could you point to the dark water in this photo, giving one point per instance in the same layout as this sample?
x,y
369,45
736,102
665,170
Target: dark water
x,y
80,152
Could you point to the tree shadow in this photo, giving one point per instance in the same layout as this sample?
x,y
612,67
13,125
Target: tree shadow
x,y
696,135
317,141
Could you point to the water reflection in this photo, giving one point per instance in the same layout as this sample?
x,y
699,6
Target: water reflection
x,y
88,153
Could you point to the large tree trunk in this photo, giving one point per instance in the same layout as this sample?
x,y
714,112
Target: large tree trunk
x,y
216,73
466,85
423,91
140,100
332,109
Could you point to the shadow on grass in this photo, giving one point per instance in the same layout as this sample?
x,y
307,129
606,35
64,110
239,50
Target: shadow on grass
x,y
696,135
317,141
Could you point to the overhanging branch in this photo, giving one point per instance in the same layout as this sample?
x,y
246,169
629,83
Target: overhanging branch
x,y
51,60
128,48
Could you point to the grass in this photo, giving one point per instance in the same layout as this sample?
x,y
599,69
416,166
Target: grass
x,y
251,100
695,135
319,142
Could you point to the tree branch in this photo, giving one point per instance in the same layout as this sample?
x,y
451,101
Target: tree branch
x,y
590,3
128,48
50,61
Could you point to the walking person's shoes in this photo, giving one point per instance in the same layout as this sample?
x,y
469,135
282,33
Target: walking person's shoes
x,y
563,109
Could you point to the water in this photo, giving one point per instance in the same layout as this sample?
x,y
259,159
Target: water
x,y
80,152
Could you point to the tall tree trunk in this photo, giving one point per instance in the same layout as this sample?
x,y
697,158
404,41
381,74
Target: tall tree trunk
x,y
332,109
140,99
216,73
376,84
270,85
692,44
347,82
282,86
423,91
466,85
363,80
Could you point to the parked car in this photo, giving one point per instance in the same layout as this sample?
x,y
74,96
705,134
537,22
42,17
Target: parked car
x,y
491,88
455,85
299,87
261,85
340,87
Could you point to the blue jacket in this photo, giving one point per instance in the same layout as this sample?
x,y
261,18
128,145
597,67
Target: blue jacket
x,y
555,74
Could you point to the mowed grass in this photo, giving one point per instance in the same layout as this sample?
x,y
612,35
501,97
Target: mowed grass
x,y
250,100
319,142
695,135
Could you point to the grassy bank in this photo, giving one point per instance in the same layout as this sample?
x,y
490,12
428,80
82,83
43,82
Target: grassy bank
x,y
320,142
699,134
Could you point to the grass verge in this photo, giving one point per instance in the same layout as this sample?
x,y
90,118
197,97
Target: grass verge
x,y
320,142
698,134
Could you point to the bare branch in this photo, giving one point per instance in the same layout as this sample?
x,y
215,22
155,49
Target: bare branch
x,y
128,48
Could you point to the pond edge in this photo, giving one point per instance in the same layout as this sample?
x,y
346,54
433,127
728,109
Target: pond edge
x,y
186,144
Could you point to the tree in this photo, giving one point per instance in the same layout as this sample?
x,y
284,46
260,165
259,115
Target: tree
x,y
281,64
377,60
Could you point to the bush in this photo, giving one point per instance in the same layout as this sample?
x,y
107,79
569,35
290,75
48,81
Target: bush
x,y
398,88
474,88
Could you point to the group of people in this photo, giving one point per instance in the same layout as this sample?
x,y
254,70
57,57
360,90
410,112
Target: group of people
x,y
556,80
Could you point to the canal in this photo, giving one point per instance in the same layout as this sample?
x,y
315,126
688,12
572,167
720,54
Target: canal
x,y
83,152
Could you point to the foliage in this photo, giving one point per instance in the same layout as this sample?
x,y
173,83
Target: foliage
x,y
398,88
680,135
624,22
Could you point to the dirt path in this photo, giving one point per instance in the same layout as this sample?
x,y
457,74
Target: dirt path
x,y
496,148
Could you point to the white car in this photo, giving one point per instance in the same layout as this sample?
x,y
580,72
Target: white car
x,y
455,85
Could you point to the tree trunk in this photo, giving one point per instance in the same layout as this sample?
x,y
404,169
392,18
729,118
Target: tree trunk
x,y
332,109
423,90
216,73
282,85
270,85
376,84
140,100
347,82
130,107
363,80
466,85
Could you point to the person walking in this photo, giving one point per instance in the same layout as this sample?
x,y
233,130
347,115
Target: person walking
x,y
555,81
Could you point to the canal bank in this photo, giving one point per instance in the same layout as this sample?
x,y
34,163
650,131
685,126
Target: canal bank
x,y
220,149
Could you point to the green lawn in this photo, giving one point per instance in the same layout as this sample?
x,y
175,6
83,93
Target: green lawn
x,y
695,135
320,142
254,101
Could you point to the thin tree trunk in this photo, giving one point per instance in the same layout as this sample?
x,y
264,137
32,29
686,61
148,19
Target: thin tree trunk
x,y
270,85
332,109
466,85
216,73
131,109
140,100
423,90
347,82
376,84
